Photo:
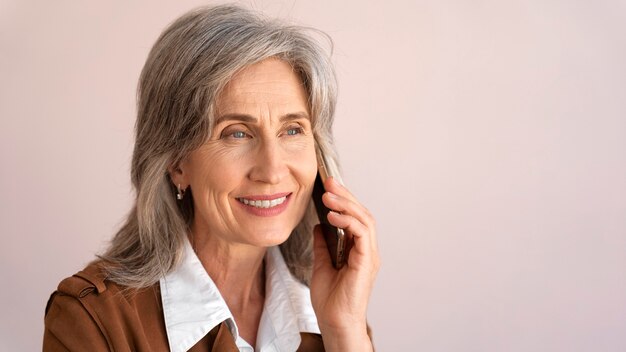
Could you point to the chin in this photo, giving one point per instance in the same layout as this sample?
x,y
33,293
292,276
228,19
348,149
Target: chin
x,y
270,239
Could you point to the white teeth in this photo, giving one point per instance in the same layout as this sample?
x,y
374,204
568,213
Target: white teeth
x,y
263,203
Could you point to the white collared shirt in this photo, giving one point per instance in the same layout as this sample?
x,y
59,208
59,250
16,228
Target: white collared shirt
x,y
193,306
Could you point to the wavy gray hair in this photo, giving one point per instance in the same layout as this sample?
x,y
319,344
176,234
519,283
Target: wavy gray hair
x,y
189,65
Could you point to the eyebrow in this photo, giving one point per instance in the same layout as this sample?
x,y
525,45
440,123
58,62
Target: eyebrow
x,y
249,118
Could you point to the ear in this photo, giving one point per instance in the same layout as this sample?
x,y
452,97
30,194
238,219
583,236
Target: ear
x,y
177,175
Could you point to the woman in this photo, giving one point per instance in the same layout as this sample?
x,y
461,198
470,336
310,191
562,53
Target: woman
x,y
217,253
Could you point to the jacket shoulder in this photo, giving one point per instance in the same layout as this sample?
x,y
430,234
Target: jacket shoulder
x,y
120,318
69,323
92,279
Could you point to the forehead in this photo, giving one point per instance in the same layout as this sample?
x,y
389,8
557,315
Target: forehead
x,y
270,83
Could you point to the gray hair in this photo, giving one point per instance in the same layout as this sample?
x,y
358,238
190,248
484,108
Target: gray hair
x,y
187,68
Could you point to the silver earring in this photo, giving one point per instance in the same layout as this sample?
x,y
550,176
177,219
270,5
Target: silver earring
x,y
181,192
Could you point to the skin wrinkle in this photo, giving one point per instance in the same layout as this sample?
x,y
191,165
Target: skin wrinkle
x,y
243,119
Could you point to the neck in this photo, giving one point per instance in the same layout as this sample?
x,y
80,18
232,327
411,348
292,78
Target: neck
x,y
237,270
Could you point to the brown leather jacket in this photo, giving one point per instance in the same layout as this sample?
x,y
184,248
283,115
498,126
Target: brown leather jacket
x,y
89,313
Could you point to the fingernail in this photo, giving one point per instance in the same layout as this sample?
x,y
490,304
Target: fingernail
x,y
332,195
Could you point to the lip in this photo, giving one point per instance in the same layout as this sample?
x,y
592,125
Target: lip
x,y
266,212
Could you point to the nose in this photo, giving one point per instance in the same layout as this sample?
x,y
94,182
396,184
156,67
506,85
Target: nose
x,y
270,164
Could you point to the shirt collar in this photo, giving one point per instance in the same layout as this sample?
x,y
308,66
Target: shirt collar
x,y
193,305
287,311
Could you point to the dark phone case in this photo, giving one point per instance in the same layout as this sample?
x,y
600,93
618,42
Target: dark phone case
x,y
331,233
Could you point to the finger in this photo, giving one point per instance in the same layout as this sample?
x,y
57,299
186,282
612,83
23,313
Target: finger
x,y
332,185
346,206
362,241
355,229
360,253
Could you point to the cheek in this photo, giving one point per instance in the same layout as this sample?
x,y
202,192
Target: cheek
x,y
217,172
305,166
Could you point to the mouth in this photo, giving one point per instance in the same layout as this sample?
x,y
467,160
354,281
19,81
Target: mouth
x,y
264,201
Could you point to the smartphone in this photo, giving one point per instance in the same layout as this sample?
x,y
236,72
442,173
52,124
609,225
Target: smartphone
x,y
335,237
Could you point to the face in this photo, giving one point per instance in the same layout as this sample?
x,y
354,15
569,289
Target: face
x,y
252,181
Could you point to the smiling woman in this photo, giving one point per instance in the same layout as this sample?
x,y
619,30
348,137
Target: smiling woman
x,y
220,251
252,180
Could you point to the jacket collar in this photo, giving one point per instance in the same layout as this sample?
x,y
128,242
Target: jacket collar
x,y
193,305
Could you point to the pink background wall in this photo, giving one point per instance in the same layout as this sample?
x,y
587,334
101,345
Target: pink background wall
x,y
488,137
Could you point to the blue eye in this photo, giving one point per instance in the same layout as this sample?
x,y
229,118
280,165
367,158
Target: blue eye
x,y
234,134
294,131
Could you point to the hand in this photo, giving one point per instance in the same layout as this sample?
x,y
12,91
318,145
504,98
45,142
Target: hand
x,y
340,297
